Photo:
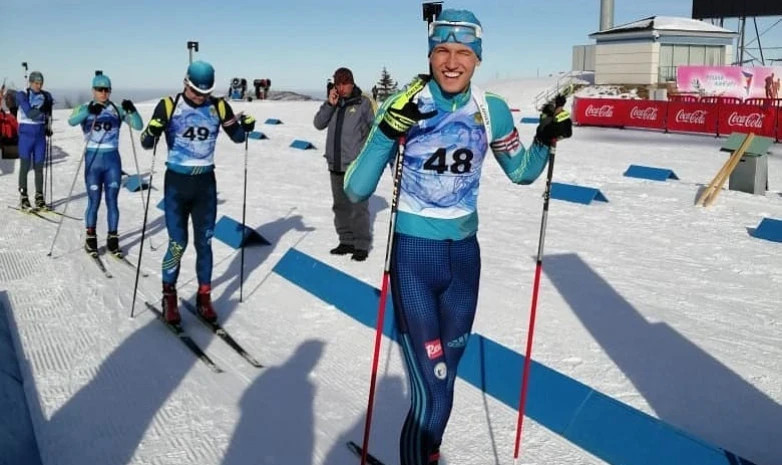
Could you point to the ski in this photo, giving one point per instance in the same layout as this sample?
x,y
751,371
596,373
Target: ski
x,y
48,209
31,212
186,340
124,260
371,459
222,334
99,263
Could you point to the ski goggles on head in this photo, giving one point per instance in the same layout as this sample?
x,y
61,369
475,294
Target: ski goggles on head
x,y
102,89
448,31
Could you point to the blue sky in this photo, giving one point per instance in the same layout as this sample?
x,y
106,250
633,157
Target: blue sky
x,y
295,43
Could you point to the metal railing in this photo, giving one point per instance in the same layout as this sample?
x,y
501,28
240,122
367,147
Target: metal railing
x,y
563,82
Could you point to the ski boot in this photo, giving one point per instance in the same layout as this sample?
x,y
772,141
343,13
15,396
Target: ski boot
x,y
170,309
91,242
24,202
204,303
40,204
112,244
434,457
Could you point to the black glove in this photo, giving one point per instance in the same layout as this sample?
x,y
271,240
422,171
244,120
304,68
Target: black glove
x,y
403,112
248,123
128,106
49,132
46,108
95,108
553,127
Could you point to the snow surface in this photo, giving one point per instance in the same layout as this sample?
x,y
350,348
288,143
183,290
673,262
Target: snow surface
x,y
670,308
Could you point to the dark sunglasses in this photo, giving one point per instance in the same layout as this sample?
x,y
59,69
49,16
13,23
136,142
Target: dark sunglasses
x,y
102,89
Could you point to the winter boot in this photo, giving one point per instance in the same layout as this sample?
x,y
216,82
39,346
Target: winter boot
x,y
170,309
360,255
112,244
342,249
204,303
91,243
40,204
24,202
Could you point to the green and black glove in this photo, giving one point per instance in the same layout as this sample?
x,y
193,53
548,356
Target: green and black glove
x,y
155,127
403,112
554,125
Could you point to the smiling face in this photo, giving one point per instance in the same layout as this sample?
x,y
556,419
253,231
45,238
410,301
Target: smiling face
x,y
453,65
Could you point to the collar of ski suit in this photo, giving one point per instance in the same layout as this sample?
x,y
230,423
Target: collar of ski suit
x,y
448,102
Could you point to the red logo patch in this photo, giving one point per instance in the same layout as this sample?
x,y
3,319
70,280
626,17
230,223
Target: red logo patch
x,y
434,349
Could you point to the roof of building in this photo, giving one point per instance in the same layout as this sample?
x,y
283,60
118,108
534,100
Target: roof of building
x,y
663,24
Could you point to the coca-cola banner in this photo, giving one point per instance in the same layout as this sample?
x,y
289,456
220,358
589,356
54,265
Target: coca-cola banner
x,y
747,118
600,112
692,117
779,125
646,114
718,118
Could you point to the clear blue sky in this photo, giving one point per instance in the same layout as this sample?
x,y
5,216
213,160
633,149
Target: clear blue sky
x,y
296,43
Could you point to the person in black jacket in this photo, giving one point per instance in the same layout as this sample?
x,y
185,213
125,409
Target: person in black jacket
x,y
348,115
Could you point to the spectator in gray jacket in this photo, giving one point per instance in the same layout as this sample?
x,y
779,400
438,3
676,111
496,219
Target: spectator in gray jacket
x,y
348,115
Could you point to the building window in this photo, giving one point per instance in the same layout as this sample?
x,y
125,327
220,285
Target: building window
x,y
672,56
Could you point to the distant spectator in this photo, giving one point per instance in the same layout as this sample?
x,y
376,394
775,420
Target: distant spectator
x,y
348,115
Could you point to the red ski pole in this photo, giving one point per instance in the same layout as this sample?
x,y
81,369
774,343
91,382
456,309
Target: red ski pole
x,y
381,308
534,307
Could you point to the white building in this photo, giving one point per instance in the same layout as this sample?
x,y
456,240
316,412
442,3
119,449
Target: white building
x,y
648,51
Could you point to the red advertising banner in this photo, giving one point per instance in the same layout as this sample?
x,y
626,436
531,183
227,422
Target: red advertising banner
x,y
748,118
692,117
646,114
600,112
715,116
779,124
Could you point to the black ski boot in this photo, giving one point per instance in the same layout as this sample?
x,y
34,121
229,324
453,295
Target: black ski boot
x,y
91,243
112,244
40,204
24,202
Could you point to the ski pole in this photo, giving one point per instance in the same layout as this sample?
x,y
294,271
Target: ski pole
x,y
534,306
248,136
244,212
138,175
49,162
73,184
143,229
381,308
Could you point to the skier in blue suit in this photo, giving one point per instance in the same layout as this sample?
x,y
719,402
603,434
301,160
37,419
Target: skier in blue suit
x,y
35,107
100,120
190,122
449,125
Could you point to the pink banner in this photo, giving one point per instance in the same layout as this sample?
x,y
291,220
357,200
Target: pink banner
x,y
730,81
